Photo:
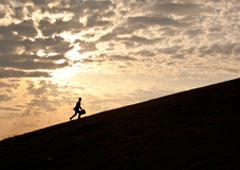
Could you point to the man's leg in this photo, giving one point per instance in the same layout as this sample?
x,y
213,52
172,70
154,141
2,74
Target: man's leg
x,y
79,114
73,115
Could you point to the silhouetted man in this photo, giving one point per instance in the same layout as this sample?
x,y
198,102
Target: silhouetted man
x,y
77,111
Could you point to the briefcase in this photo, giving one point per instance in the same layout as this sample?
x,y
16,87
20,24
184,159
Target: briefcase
x,y
82,112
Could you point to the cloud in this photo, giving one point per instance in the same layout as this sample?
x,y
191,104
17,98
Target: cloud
x,y
155,21
107,37
48,29
4,98
2,84
28,62
41,3
46,95
140,40
109,14
93,11
121,58
96,21
54,44
129,41
17,74
177,8
10,43
9,109
107,57
25,28
86,46
178,56
193,33
18,13
170,50
9,86
2,14
145,53
43,88
222,49
18,53
97,5
43,103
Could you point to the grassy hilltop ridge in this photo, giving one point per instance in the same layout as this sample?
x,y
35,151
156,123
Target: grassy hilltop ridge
x,y
195,129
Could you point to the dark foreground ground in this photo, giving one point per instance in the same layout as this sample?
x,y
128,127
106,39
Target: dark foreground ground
x,y
197,129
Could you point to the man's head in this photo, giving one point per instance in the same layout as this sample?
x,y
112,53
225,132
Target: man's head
x,y
80,99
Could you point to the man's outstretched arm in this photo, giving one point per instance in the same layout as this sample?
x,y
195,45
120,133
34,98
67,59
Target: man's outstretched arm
x,y
80,108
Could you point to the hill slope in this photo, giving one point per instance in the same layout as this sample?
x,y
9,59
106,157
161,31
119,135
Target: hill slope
x,y
196,129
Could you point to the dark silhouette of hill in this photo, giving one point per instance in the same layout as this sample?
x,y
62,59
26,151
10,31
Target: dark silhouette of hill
x,y
196,129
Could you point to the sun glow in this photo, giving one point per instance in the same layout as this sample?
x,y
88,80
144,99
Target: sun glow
x,y
74,55
65,73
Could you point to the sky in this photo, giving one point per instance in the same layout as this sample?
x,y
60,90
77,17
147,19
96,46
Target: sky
x,y
111,53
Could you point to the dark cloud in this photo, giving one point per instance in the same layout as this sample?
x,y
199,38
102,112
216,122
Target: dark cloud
x,y
86,46
28,62
45,96
215,29
109,14
18,13
4,98
89,35
128,41
124,29
140,40
193,33
105,57
9,109
155,21
96,21
167,31
78,8
223,49
48,29
41,2
43,87
177,8
56,45
25,28
107,37
5,32
43,103
188,51
170,50
94,11
97,5
178,56
140,22
9,86
145,53
16,74
2,84
10,45
3,1
9,57
2,14
121,58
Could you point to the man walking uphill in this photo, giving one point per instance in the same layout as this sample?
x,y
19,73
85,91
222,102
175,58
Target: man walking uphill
x,y
77,111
